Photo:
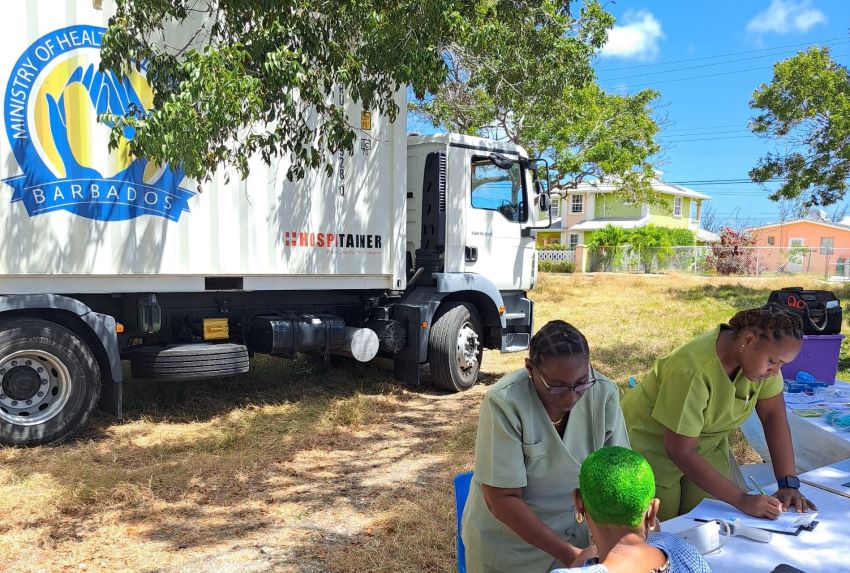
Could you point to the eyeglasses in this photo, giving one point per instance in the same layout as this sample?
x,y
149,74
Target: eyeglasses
x,y
560,390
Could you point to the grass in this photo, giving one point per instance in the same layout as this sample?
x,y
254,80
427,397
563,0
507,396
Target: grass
x,y
302,467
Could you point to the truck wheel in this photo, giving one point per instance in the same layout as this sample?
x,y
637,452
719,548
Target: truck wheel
x,y
454,347
189,361
49,382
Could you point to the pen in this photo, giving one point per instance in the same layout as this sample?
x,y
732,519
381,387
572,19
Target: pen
x,y
755,484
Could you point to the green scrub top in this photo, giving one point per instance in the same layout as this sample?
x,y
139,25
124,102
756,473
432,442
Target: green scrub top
x,y
517,446
690,393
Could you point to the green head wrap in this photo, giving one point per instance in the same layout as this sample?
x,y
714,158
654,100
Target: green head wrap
x,y
616,485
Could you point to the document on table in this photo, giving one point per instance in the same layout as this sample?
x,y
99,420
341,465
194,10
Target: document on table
x,y
788,522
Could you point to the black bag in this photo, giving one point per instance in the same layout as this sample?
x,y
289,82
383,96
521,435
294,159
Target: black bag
x,y
819,309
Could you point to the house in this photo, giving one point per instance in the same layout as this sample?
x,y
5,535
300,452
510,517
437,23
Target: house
x,y
591,206
804,245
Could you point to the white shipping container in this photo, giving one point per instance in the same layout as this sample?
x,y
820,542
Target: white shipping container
x,y
76,212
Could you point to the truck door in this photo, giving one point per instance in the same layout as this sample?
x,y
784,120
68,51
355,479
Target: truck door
x,y
497,210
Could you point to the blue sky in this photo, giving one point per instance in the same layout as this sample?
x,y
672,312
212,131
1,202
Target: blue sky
x,y
706,58
672,46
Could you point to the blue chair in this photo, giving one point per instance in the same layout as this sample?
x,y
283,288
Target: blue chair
x,y
461,482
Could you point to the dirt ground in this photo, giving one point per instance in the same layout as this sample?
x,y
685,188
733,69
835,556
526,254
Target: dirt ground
x,y
299,467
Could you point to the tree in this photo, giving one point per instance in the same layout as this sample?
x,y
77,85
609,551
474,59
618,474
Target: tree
x,y
530,81
607,242
653,243
257,77
807,108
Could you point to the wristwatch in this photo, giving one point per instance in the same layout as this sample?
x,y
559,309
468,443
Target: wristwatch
x,y
789,481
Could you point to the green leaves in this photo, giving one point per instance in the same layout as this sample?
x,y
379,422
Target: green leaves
x,y
806,109
524,73
232,78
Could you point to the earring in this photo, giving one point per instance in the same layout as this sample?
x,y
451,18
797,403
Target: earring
x,y
742,349
579,517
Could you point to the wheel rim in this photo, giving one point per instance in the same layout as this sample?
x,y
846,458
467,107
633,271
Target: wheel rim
x,y
34,387
467,349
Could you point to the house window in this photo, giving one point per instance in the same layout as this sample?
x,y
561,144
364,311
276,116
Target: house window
x,y
577,204
556,207
771,241
796,243
573,240
826,245
677,206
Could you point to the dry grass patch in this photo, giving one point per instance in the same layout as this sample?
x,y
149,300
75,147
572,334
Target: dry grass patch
x,y
301,467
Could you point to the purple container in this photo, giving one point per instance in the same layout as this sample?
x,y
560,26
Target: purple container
x,y
818,356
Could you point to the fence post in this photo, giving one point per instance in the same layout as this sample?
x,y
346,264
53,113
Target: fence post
x,y
758,261
581,259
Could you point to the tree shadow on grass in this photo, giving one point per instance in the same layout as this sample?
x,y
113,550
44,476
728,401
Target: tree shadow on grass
x,y
226,461
736,296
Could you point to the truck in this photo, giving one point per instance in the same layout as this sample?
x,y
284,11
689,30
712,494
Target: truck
x,y
416,248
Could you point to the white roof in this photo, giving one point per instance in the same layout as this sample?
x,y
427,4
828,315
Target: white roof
x,y
657,184
557,225
597,224
482,144
704,236
830,224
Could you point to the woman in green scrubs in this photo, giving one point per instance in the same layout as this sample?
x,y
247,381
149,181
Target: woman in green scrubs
x,y
681,414
536,427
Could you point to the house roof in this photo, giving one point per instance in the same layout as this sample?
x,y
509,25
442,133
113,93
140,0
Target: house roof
x,y
704,236
596,224
557,226
798,221
657,184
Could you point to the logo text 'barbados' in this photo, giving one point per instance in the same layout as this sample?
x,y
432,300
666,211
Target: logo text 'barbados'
x,y
52,102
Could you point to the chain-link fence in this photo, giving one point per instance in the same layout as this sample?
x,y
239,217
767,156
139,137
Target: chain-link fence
x,y
720,260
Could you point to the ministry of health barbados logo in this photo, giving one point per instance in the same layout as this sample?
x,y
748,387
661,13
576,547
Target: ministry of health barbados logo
x,y
52,102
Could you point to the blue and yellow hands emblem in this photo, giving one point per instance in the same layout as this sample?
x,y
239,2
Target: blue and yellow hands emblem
x,y
53,100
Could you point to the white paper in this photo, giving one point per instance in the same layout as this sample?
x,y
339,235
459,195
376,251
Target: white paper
x,y
788,522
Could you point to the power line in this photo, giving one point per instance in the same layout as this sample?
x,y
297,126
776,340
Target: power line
x,y
759,68
706,132
702,128
723,55
709,64
688,139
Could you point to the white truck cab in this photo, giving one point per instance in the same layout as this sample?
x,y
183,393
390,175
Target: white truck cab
x,y
414,249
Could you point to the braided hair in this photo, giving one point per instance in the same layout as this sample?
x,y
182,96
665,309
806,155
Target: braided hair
x,y
770,321
557,338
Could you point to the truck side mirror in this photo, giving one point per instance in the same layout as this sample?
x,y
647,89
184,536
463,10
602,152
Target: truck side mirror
x,y
544,201
501,161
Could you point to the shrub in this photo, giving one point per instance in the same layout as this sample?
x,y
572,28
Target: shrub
x,y
733,255
556,266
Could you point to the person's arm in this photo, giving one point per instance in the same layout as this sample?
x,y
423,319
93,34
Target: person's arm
x,y
615,424
500,469
771,412
682,450
507,505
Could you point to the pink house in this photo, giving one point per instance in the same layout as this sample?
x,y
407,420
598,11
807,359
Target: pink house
x,y
804,245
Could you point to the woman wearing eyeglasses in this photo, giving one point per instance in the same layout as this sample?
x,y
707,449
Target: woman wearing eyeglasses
x,y
536,426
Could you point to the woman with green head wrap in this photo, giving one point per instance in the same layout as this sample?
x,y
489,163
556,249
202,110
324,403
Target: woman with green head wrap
x,y
616,496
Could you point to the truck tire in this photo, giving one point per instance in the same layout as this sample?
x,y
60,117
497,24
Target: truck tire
x,y
189,361
454,347
49,382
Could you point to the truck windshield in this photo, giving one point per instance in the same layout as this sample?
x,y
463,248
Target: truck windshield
x,y
497,189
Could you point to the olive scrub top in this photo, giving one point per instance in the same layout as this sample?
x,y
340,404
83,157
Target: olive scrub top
x,y
690,393
517,446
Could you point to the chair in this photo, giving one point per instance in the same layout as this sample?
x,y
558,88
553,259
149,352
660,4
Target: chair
x,y
461,482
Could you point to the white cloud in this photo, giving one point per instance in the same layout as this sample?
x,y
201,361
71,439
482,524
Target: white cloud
x,y
783,16
637,38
